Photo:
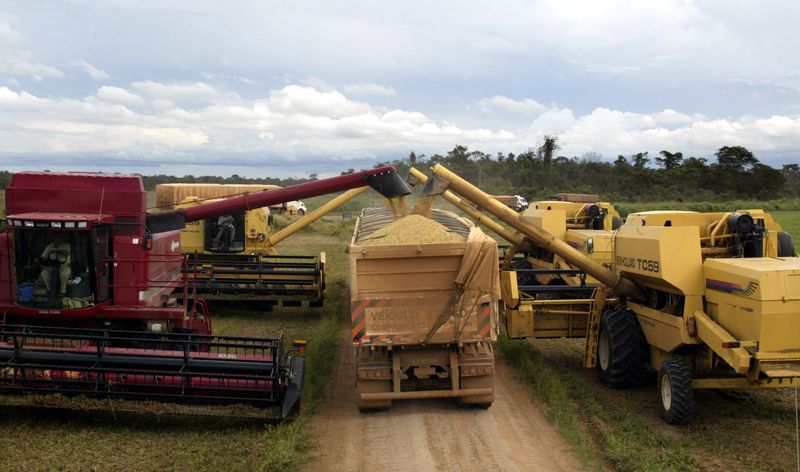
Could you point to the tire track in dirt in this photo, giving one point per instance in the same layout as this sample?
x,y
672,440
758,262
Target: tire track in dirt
x,y
512,435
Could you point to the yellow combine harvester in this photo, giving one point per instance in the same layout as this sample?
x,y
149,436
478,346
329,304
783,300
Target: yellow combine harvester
x,y
709,300
233,256
582,221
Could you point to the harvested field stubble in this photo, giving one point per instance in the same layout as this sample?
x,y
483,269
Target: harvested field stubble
x,y
412,229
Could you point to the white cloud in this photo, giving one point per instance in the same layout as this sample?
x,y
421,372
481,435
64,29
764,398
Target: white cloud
x,y
611,68
16,62
526,105
119,95
8,35
301,124
369,88
177,92
292,122
91,71
229,78
20,66
613,132
10,99
555,120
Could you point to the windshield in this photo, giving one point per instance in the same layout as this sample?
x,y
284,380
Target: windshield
x,y
225,233
57,269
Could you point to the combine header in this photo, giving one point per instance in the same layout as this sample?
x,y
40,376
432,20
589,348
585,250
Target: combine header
x,y
87,282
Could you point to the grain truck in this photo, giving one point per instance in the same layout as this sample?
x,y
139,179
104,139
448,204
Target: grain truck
x,y
424,315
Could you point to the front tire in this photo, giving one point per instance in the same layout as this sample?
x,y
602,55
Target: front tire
x,y
621,350
675,392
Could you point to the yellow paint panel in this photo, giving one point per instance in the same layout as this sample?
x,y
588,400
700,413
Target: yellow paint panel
x,y
667,258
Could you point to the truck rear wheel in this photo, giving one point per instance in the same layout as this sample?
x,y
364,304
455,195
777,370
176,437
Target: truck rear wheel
x,y
621,350
482,401
376,359
483,353
675,392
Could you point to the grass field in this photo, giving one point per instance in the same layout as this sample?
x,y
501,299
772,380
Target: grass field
x,y
789,221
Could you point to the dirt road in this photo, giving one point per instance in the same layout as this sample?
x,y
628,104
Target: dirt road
x,y
512,435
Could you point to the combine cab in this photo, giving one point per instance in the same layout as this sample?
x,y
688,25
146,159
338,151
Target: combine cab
x,y
87,294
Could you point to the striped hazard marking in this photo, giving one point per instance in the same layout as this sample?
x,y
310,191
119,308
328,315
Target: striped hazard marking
x,y
484,318
359,315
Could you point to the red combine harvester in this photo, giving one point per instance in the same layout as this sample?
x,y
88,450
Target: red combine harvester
x,y
86,283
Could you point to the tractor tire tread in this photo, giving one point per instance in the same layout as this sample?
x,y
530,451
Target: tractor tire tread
x,y
628,350
682,406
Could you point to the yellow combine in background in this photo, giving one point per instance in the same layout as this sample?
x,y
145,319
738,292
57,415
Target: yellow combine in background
x,y
232,257
584,222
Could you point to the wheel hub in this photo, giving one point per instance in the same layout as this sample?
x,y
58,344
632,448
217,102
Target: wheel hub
x,y
603,350
666,392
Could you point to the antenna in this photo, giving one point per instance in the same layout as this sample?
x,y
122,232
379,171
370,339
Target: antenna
x,y
102,196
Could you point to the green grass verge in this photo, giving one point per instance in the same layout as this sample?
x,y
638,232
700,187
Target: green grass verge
x,y
289,444
623,440
793,204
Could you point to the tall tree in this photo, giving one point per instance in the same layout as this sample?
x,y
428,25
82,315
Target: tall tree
x,y
735,158
640,160
669,160
548,148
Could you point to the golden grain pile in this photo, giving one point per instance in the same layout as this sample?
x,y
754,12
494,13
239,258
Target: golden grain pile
x,y
412,229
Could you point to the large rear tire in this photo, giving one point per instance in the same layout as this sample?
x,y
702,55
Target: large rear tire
x,y
621,350
675,392
376,358
785,245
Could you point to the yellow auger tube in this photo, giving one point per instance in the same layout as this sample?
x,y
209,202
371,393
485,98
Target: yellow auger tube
x,y
537,235
314,215
477,216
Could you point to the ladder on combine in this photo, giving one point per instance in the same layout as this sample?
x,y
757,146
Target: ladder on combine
x,y
599,298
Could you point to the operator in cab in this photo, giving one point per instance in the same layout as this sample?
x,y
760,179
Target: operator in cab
x,y
57,252
227,229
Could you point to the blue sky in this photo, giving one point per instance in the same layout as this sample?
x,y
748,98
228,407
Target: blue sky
x,y
291,88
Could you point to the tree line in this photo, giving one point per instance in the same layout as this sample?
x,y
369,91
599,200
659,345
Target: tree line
x,y
733,173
